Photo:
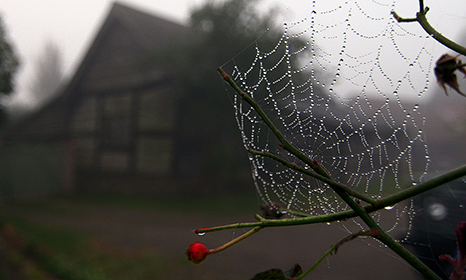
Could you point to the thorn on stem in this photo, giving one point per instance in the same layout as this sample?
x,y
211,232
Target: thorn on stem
x,y
224,75
372,232
375,233
396,16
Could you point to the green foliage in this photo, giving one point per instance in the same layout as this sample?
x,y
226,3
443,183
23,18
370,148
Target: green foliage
x,y
278,274
227,28
8,63
72,255
221,30
208,132
8,66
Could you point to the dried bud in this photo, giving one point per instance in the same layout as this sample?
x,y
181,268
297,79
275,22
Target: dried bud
x,y
458,263
461,239
445,72
272,210
197,252
295,271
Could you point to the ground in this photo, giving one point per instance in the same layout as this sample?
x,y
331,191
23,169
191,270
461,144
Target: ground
x,y
168,233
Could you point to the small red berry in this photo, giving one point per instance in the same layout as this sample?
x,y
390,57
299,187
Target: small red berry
x,y
197,252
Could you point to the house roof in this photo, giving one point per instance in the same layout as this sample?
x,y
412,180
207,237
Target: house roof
x,y
152,33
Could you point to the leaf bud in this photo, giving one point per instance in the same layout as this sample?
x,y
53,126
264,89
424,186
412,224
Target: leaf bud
x,y
272,210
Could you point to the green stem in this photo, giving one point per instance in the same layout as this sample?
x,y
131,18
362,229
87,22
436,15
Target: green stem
x,y
358,209
330,182
283,142
420,188
407,256
329,251
344,215
421,5
334,248
236,240
422,19
387,239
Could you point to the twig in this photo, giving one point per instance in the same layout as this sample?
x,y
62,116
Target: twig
x,y
330,182
343,215
236,240
358,209
422,20
334,248
284,143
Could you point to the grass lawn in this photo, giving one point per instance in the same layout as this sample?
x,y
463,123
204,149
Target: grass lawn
x,y
40,250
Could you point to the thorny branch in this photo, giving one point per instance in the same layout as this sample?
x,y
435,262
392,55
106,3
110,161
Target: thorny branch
x,y
358,210
343,191
334,249
421,18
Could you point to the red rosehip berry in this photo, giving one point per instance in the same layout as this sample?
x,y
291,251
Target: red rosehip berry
x,y
197,252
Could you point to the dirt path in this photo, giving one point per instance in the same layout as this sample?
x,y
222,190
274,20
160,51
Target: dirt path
x,y
170,233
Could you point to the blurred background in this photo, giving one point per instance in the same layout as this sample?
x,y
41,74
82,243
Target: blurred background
x,y
117,139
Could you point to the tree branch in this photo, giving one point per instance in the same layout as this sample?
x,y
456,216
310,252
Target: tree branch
x,y
422,20
330,182
284,143
334,248
357,209
343,215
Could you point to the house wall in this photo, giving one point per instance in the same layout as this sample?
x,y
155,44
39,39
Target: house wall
x,y
127,131
124,120
36,169
129,128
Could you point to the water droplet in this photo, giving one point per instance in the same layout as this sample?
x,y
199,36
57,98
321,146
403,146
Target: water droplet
x,y
390,207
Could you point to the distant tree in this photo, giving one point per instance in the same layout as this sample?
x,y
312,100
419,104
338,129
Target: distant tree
x,y
48,73
8,65
222,30
225,29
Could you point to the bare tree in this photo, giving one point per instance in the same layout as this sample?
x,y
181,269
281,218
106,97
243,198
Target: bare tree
x,y
48,73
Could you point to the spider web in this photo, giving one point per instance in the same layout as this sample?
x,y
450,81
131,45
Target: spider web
x,y
344,84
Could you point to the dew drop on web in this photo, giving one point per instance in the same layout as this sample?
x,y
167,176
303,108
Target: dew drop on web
x,y
339,103
389,207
